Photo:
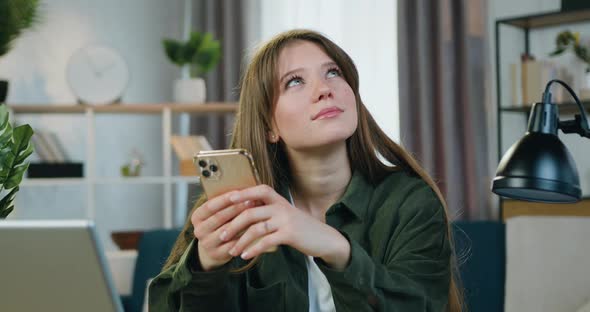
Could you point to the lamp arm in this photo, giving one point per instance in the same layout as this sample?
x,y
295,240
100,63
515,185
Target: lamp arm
x,y
580,124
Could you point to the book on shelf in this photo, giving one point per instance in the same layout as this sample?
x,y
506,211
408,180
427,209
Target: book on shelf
x,y
53,160
48,147
185,148
529,78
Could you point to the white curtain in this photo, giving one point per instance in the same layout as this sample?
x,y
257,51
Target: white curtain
x,y
366,30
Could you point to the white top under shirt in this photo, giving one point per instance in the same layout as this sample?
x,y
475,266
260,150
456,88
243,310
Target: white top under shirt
x,y
319,291
318,287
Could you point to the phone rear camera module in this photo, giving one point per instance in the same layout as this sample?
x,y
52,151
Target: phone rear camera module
x,y
206,173
202,163
213,168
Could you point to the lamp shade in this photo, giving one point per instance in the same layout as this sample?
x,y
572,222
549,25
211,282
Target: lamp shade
x,y
538,168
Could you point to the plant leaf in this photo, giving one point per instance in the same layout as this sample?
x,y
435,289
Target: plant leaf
x,y
6,162
558,51
5,136
192,46
3,116
201,51
22,143
6,203
5,127
17,16
12,156
5,212
174,52
15,147
16,176
208,56
25,153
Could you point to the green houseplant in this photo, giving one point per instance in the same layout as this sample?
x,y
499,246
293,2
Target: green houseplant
x,y
16,16
195,56
15,147
567,40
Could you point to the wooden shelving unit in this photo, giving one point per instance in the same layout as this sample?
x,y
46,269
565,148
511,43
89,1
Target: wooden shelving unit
x,y
156,108
525,25
564,108
547,19
90,179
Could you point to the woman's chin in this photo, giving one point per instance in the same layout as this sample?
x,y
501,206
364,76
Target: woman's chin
x,y
323,143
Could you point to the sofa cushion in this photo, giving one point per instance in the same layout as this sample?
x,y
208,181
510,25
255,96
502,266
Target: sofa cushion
x,y
154,248
480,247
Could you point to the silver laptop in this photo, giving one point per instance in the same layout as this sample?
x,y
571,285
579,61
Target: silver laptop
x,y
54,266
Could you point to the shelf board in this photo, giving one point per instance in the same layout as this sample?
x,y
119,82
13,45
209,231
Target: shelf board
x,y
105,181
182,179
146,180
52,181
126,108
564,108
548,19
129,180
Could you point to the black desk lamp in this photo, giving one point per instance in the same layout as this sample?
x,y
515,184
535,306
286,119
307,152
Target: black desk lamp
x,y
538,167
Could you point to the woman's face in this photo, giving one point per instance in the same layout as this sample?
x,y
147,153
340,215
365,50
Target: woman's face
x,y
316,106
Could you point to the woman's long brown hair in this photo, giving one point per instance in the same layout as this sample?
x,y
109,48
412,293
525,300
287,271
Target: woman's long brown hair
x,y
258,93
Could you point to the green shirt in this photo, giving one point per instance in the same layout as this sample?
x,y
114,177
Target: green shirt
x,y
400,260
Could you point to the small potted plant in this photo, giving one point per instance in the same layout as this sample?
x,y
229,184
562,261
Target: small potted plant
x,y
567,40
196,56
15,17
15,147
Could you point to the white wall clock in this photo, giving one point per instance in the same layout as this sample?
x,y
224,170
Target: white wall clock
x,y
97,75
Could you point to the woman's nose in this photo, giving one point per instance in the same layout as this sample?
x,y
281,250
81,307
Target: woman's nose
x,y
322,91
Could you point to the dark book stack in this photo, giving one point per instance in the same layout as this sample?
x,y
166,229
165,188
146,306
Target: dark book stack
x,y
53,160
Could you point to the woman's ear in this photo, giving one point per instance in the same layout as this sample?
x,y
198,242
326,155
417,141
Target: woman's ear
x,y
272,137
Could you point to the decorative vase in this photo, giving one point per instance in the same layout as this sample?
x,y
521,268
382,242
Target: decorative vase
x,y
3,90
189,90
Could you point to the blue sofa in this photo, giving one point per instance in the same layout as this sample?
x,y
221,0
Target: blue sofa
x,y
152,252
480,247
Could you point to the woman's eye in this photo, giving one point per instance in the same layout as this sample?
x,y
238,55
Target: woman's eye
x,y
333,73
294,82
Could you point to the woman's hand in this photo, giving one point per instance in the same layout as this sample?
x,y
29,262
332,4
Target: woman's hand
x,y
277,222
209,221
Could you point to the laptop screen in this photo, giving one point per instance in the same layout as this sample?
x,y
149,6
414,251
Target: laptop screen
x,y
53,266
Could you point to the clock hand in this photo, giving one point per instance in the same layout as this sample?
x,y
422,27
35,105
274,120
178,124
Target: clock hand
x,y
92,65
105,68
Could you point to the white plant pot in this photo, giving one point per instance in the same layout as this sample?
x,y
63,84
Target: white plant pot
x,y
189,90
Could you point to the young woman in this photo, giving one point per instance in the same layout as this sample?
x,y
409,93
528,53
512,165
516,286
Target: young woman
x,y
352,232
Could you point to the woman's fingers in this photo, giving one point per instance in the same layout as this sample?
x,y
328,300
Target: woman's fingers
x,y
263,193
213,222
222,251
211,258
211,207
244,220
256,235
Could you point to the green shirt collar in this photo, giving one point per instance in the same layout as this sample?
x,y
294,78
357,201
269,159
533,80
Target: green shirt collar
x,y
356,198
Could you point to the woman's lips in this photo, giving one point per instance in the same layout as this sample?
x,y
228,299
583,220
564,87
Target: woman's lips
x,y
327,113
